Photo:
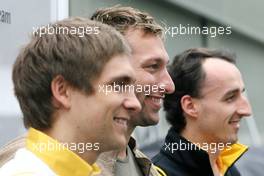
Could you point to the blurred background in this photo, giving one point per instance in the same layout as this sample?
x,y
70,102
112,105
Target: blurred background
x,y
243,18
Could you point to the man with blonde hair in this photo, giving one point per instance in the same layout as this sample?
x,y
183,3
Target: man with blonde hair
x,y
149,58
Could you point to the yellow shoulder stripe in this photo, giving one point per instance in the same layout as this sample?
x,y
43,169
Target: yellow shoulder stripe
x,y
160,171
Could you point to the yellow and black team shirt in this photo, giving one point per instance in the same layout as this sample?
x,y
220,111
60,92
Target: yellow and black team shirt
x,y
194,162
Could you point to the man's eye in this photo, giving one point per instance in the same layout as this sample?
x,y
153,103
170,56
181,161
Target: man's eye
x,y
153,67
230,98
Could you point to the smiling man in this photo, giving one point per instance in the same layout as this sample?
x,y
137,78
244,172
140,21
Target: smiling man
x,y
205,113
56,79
149,60
149,57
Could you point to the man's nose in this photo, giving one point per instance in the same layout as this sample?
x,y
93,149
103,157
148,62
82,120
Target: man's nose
x,y
244,108
132,103
167,83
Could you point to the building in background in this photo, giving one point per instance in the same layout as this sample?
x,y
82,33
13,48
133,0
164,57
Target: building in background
x,y
18,19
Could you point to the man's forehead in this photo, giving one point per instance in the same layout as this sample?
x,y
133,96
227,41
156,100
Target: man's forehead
x,y
148,47
119,66
220,75
139,32
137,36
215,62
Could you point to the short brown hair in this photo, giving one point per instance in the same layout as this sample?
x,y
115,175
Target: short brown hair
x,y
124,18
78,59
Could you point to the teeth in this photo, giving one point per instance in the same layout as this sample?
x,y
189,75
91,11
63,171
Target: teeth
x,y
235,123
156,100
121,121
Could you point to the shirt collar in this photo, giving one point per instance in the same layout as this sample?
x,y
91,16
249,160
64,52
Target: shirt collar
x,y
229,156
199,158
60,159
141,159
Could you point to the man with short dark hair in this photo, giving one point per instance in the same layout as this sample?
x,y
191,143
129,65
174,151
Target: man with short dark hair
x,y
205,112
56,79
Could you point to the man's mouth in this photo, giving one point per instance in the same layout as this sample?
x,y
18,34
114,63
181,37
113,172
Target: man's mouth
x,y
121,121
234,123
155,101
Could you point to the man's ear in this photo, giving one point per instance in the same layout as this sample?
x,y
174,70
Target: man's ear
x,y
61,92
189,106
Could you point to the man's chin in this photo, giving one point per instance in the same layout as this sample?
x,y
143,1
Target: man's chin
x,y
232,140
144,119
150,120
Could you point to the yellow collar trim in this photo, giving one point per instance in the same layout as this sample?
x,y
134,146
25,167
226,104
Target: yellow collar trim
x,y
229,155
160,171
60,159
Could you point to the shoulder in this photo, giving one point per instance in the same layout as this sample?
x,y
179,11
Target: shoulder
x,y
8,151
161,159
233,171
166,166
25,163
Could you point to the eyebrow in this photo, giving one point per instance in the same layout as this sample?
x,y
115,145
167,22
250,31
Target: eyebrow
x,y
157,59
233,91
122,78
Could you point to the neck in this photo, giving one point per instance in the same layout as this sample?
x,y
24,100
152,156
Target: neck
x,y
213,153
214,165
89,156
122,154
206,142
